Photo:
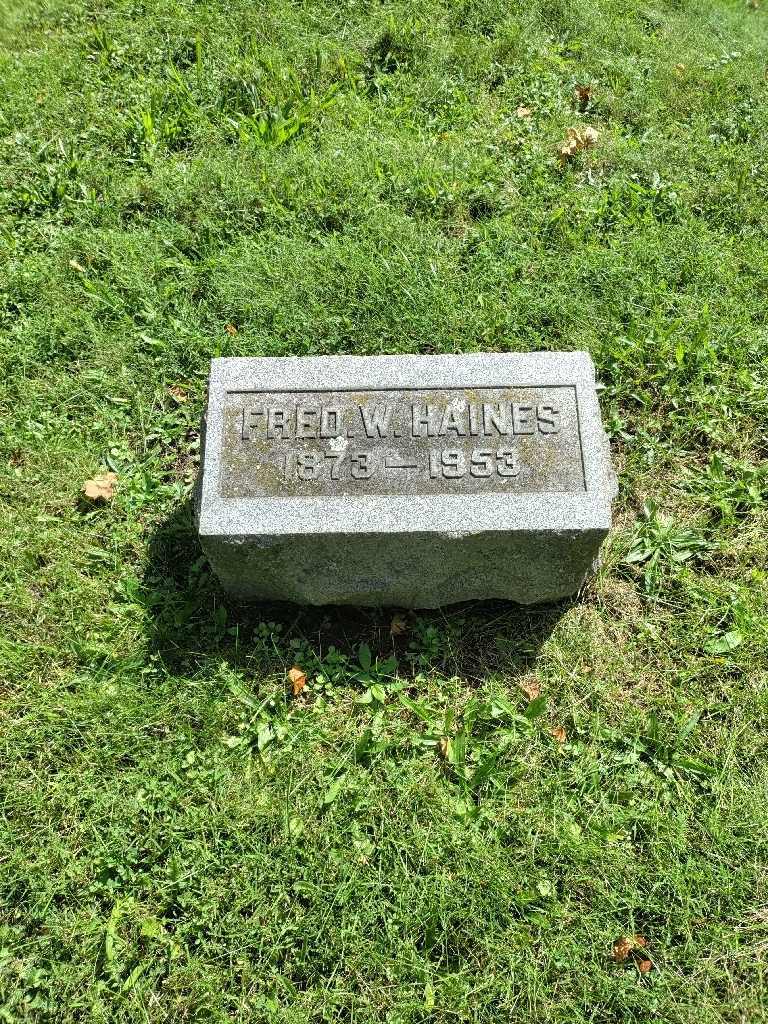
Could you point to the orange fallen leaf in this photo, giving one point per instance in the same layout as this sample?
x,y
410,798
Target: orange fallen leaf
x,y
583,94
298,680
231,330
578,140
621,949
629,944
398,625
558,734
531,689
101,487
523,111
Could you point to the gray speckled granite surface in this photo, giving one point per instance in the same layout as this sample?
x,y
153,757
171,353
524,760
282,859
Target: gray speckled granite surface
x,y
413,481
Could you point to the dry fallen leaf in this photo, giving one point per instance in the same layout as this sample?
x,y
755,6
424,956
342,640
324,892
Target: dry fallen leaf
x,y
524,111
442,746
583,94
231,329
398,625
589,136
177,393
578,139
77,266
558,734
622,947
531,689
101,487
298,680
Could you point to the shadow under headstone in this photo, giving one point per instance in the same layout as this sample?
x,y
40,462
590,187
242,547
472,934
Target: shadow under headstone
x,y
192,620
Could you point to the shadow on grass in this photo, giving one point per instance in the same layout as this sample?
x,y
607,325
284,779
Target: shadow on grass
x,y
194,620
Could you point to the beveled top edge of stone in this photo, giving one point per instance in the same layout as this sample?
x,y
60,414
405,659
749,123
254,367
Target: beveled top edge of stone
x,y
473,369
447,515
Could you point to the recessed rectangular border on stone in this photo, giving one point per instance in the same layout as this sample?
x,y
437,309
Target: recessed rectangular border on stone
x,y
370,441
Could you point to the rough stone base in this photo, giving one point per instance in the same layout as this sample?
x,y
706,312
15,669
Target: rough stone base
x,y
405,571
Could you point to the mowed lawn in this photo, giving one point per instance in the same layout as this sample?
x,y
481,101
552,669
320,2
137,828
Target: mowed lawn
x,y
483,814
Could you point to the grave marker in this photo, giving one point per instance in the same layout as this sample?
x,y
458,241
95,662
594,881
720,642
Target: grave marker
x,y
404,480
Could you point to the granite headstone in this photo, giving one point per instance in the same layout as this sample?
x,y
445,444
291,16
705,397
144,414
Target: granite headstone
x,y
414,481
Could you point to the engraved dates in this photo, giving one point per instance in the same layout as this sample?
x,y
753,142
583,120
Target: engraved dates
x,y
446,463
453,463
309,465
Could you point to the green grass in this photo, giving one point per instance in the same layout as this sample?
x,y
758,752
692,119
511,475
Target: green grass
x,y
407,842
